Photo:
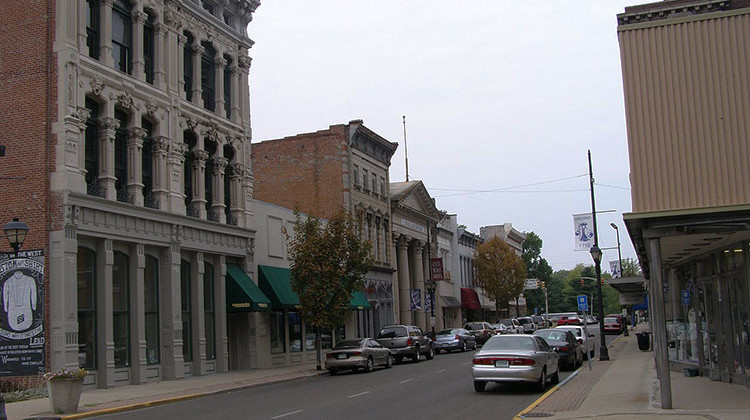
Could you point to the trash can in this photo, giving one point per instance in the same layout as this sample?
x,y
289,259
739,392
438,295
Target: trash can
x,y
643,340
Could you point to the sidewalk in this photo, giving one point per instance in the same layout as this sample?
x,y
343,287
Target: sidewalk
x,y
626,387
103,401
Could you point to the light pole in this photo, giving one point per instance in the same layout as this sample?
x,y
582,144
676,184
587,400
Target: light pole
x,y
619,264
596,254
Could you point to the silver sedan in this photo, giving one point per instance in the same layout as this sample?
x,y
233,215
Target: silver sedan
x,y
515,358
364,353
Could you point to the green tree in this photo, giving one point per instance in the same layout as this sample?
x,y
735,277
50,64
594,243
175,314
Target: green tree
x,y
536,268
631,268
328,261
499,271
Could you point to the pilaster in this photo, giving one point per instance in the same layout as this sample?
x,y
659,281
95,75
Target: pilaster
x,y
135,164
137,315
107,130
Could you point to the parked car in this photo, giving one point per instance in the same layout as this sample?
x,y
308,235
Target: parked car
x,y
528,324
540,322
514,327
406,341
481,330
586,342
565,344
570,320
358,353
613,324
454,339
500,328
515,358
623,320
591,319
554,318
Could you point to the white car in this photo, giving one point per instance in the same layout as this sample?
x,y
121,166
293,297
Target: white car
x,y
587,343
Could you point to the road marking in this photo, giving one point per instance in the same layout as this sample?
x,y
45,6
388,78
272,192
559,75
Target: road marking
x,y
441,371
408,380
467,363
287,414
358,395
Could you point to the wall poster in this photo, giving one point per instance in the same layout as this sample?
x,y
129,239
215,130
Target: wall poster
x,y
22,313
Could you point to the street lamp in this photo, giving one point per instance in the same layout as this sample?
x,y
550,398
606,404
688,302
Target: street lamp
x,y
15,231
596,254
619,264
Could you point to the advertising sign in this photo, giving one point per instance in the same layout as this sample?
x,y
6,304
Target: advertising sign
x,y
436,265
583,227
22,314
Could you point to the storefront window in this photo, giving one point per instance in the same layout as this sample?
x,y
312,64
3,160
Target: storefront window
x,y
278,332
295,331
86,308
309,337
120,309
151,309
208,311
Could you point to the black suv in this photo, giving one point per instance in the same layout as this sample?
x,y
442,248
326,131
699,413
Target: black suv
x,y
406,341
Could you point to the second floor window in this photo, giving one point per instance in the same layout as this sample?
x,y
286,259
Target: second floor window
x,y
149,37
121,157
208,77
122,36
91,159
228,87
92,28
187,66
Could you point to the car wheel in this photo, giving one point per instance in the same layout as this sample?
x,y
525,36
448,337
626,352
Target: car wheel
x,y
368,365
333,371
479,386
415,358
463,346
399,359
555,379
431,353
542,384
388,361
474,347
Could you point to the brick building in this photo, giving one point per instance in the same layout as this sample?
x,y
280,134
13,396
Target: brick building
x,y
127,127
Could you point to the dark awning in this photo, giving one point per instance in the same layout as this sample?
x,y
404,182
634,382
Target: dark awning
x,y
242,293
359,301
450,302
276,283
469,299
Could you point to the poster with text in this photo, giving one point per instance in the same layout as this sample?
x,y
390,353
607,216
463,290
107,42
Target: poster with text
x,y
22,314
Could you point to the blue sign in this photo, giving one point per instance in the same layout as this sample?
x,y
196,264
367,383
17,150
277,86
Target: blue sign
x,y
685,297
583,303
416,299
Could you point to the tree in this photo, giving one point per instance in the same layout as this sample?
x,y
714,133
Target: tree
x,y
499,271
536,268
328,261
631,268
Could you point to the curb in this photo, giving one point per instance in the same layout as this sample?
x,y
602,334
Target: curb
x,y
520,416
146,404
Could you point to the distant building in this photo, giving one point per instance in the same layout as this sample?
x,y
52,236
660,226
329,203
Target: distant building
x,y
513,237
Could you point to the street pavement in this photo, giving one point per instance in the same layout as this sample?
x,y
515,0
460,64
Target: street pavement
x,y
623,388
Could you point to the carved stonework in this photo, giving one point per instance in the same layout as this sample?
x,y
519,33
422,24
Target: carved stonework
x,y
109,125
244,61
237,170
137,133
151,109
126,101
220,164
139,17
191,123
220,62
177,233
161,145
211,133
97,85
201,156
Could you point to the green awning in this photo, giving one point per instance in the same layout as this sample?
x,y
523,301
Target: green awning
x,y
242,293
276,283
359,301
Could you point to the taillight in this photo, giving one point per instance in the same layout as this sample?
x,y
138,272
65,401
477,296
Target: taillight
x,y
355,353
522,362
409,342
329,355
457,337
564,348
512,361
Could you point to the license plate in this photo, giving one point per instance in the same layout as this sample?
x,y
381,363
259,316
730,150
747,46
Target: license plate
x,y
501,363
341,356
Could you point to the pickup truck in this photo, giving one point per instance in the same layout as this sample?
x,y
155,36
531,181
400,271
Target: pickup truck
x,y
406,341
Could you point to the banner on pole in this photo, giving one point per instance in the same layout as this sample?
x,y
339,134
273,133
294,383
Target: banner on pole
x,y
428,299
416,299
615,269
583,227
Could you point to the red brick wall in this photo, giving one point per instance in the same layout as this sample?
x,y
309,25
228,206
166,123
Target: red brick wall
x,y
303,171
28,86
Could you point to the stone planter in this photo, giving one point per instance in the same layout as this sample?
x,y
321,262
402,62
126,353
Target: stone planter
x,y
64,395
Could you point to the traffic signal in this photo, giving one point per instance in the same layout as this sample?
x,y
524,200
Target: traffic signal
x,y
581,282
544,285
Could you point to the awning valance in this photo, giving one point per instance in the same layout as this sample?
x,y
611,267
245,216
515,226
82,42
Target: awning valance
x,y
242,293
276,283
469,299
450,302
359,301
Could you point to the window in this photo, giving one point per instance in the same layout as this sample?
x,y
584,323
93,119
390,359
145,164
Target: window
x,y
121,310
374,184
149,51
86,279
92,28
382,186
151,309
92,148
187,65
208,311
208,77
185,303
295,331
121,157
228,19
365,180
228,87
208,7
309,337
122,36
356,175
278,332
147,165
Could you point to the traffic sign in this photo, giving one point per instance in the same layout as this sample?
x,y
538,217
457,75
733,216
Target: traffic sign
x,y
583,303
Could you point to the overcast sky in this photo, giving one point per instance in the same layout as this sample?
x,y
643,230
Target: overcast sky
x,y
502,101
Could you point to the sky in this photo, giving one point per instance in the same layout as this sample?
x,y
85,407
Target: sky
x,y
502,100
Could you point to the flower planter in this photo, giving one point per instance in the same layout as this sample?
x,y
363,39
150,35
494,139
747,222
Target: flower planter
x,y
64,395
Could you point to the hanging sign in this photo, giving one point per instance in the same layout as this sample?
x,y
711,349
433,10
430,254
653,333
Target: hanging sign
x,y
583,227
436,265
416,299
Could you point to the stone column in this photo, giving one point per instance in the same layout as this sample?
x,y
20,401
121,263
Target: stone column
x,y
105,32
418,278
139,70
160,55
219,63
63,294
107,130
247,197
198,50
235,91
198,202
235,182
135,164
217,178
137,315
172,362
82,9
220,312
161,172
180,71
244,62
402,253
105,345
198,315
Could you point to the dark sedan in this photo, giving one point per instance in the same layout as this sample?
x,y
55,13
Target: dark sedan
x,y
454,339
565,344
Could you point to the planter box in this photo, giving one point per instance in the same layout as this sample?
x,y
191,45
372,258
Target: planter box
x,y
64,395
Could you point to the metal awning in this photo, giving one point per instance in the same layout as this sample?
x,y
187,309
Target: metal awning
x,y
450,302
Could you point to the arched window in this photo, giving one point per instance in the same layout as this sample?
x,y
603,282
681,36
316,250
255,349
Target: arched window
x,y
91,148
228,87
209,312
228,172
208,77
149,50
93,28
187,65
209,173
121,157
122,36
86,280
187,171
185,304
121,309
147,165
151,309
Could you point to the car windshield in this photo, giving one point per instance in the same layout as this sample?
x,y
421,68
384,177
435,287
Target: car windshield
x,y
475,326
509,343
575,331
392,332
611,319
349,344
524,320
447,332
552,335
507,322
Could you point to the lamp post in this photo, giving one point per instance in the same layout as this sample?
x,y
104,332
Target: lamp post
x,y
619,264
596,254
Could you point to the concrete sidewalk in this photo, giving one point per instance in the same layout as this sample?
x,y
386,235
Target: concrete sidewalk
x,y
626,387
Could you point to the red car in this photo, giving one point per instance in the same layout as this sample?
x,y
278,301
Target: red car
x,y
612,324
623,320
570,320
